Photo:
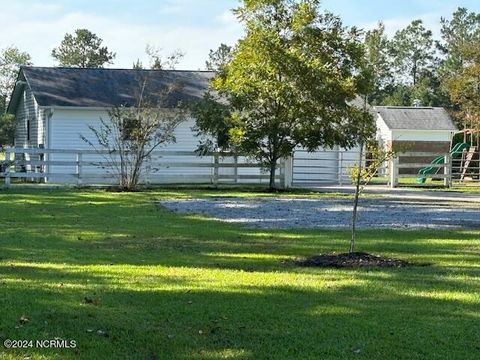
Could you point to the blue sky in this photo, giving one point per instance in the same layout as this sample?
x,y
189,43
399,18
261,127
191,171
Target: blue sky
x,y
194,26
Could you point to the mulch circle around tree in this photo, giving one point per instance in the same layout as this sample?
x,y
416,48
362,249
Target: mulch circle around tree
x,y
354,260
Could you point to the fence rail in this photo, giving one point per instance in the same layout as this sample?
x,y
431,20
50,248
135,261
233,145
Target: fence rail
x,y
328,167
89,167
451,168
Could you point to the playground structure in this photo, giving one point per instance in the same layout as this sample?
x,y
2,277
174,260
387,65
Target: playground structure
x,y
464,156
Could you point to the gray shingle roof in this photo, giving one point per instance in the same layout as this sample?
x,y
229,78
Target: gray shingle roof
x,y
416,118
111,87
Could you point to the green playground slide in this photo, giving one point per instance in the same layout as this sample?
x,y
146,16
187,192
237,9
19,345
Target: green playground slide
x,y
429,170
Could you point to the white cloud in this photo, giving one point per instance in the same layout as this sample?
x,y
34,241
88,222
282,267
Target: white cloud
x,y
39,35
171,7
39,27
227,18
430,21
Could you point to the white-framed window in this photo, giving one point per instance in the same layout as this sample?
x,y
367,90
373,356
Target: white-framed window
x,y
29,130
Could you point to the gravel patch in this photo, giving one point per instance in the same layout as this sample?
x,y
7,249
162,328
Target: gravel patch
x,y
267,213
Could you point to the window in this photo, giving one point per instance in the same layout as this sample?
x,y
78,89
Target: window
x,y
28,130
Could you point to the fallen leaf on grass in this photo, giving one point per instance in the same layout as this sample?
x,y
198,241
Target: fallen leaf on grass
x,y
90,301
102,333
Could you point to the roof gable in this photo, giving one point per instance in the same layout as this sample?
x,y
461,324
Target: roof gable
x,y
77,87
415,118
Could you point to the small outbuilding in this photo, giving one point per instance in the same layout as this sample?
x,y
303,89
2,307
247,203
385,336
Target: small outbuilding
x,y
416,129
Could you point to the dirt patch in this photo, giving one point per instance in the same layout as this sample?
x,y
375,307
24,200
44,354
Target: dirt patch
x,y
353,260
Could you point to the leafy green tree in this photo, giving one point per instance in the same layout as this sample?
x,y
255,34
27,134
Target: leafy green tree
x,y
11,59
214,123
427,92
83,49
413,52
217,59
7,129
398,95
377,55
462,29
457,33
160,62
464,87
137,65
291,81
213,116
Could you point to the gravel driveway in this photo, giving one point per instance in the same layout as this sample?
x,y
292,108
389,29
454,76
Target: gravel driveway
x,y
267,213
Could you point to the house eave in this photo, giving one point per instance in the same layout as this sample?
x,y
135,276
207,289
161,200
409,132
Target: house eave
x,y
82,108
20,85
88,108
429,130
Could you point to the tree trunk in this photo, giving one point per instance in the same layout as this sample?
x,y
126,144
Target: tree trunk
x,y
414,73
273,169
355,202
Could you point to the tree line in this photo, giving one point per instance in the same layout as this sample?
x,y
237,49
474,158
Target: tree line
x,y
414,67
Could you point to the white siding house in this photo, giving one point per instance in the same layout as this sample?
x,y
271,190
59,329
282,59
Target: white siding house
x,y
68,126
54,107
30,131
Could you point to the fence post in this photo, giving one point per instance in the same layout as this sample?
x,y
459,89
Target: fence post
x,y
235,169
7,166
216,162
79,169
448,171
281,170
394,172
340,168
45,167
288,172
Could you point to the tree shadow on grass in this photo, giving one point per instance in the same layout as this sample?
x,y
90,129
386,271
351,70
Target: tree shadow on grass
x,y
362,319
189,287
160,238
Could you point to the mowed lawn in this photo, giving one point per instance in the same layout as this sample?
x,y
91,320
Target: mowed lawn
x,y
127,280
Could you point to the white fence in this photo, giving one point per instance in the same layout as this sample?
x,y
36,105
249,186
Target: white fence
x,y
303,169
327,167
332,167
89,167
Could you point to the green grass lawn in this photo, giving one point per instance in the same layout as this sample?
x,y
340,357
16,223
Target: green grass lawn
x,y
165,286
